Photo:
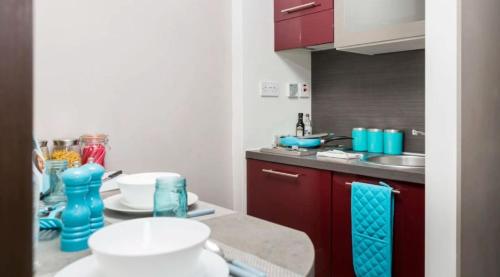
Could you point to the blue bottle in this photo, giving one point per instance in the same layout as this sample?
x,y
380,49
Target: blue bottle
x,y
359,142
375,140
94,200
76,216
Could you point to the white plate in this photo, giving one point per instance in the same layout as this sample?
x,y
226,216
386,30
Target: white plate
x,y
114,203
211,265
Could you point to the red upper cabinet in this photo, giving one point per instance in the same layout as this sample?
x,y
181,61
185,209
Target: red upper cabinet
x,y
300,24
286,9
409,227
297,197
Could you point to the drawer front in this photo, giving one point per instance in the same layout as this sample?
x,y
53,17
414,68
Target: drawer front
x,y
308,30
296,197
286,9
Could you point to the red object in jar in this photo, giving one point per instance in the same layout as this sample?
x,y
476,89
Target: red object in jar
x,y
94,146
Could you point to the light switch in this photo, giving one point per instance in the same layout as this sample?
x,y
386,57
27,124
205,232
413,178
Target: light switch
x,y
305,90
269,89
293,90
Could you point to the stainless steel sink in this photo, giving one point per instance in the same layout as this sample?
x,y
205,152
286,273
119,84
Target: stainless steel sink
x,y
402,161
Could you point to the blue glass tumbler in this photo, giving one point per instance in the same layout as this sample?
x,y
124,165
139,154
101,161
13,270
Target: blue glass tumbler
x,y
170,198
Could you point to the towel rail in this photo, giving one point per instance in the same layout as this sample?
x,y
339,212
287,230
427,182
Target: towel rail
x,y
393,191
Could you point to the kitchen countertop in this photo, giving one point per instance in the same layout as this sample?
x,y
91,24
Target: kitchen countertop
x,y
276,244
353,166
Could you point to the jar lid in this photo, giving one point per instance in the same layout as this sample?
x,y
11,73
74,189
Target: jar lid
x,y
56,163
65,142
98,138
43,142
392,131
374,130
358,129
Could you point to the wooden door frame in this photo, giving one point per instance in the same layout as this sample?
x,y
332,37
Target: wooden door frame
x,y
16,111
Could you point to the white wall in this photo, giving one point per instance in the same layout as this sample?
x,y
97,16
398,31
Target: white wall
x,y
257,119
154,75
442,141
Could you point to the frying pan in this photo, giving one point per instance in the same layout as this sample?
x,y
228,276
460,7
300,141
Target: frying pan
x,y
310,141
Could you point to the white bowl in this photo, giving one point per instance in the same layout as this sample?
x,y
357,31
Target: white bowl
x,y
138,189
153,247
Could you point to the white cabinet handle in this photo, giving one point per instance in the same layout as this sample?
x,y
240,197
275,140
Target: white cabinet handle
x,y
300,7
270,171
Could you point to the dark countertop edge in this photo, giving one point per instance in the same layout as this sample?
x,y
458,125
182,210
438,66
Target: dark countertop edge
x,y
365,170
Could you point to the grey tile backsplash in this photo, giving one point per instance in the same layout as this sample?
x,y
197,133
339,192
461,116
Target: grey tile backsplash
x,y
382,91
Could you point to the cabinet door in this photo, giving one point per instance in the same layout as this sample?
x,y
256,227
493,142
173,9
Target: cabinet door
x,y
297,197
378,23
409,227
342,265
304,31
286,9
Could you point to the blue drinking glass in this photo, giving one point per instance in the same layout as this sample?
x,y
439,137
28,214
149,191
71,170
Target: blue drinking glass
x,y
170,198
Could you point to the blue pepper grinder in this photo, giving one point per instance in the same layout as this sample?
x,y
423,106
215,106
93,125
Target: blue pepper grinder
x,y
76,216
94,200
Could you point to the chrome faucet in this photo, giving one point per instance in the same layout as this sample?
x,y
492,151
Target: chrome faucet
x,y
417,133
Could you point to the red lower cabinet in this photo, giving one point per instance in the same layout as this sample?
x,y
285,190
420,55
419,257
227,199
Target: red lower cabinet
x,y
318,202
297,197
409,227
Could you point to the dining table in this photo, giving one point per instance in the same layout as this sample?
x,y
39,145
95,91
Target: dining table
x,y
275,249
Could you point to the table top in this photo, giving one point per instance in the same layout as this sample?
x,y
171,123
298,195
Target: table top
x,y
276,244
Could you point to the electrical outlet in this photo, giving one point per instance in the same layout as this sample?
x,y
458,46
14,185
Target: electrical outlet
x,y
293,90
304,90
269,89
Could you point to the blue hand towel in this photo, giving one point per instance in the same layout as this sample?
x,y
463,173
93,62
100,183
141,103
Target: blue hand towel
x,y
372,211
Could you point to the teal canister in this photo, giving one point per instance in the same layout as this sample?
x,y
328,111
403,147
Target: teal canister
x,y
375,140
393,142
359,139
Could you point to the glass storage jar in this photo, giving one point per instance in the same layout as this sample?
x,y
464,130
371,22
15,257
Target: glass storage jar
x,y
53,172
68,150
44,148
170,197
94,146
